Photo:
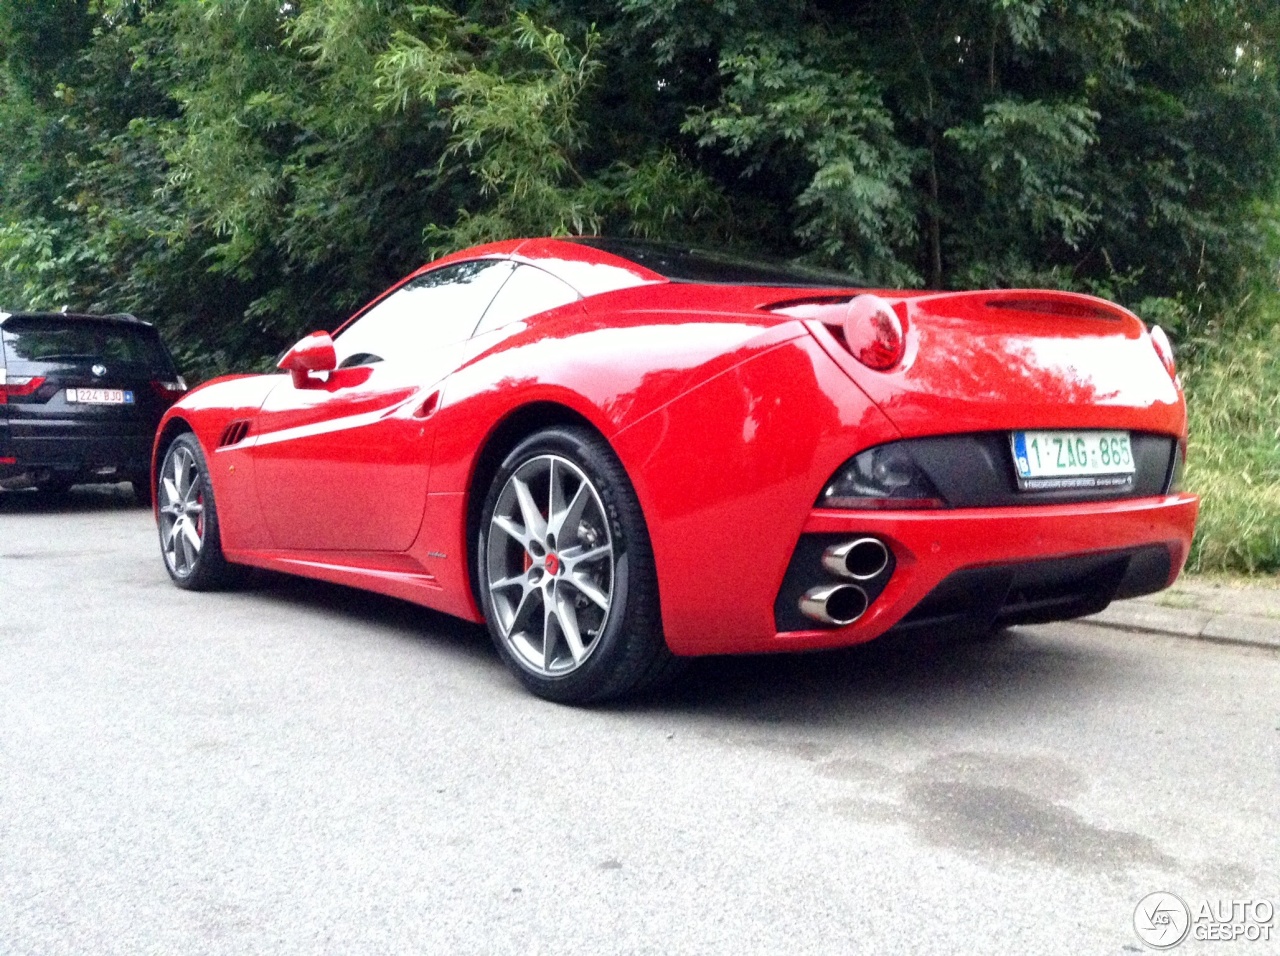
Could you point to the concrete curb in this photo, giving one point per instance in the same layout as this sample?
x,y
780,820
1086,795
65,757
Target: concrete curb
x,y
1196,623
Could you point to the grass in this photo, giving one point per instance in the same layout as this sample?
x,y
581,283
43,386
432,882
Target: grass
x,y
1233,456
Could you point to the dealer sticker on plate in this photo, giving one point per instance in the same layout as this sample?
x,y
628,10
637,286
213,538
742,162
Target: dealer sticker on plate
x,y
1048,461
100,396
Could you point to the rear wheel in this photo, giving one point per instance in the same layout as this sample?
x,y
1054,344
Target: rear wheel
x,y
189,534
566,572
142,490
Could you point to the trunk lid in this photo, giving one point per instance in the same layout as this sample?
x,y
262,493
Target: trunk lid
x,y
1010,359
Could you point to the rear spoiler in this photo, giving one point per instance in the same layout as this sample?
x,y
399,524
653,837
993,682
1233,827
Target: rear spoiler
x,y
827,307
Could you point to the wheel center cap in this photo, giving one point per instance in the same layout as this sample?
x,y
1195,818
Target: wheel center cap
x,y
552,563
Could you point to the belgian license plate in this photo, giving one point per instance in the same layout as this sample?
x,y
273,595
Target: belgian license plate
x,y
100,396
1046,461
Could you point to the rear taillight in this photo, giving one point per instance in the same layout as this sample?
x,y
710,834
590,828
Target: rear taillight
x,y
874,332
171,390
1164,348
884,477
18,386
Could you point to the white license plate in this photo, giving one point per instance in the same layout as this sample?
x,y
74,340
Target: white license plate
x,y
99,396
1045,461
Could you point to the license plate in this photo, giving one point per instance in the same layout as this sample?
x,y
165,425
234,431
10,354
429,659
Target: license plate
x,y
1045,461
99,396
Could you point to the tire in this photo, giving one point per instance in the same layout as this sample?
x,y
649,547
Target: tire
x,y
56,485
566,574
143,493
190,542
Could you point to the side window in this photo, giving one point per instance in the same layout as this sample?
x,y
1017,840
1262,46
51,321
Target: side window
x,y
528,292
435,309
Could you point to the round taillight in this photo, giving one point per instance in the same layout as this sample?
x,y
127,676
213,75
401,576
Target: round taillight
x,y
1164,348
874,332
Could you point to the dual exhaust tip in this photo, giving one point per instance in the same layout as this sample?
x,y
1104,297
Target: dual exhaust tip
x,y
838,604
841,604
859,560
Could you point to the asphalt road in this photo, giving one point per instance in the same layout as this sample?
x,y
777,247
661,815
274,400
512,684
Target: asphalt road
x,y
299,768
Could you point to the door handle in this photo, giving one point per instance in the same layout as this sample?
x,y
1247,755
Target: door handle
x,y
428,407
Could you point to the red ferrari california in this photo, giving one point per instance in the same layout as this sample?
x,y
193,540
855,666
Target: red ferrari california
x,y
617,454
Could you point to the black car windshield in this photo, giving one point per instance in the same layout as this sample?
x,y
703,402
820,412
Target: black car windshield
x,y
687,264
41,339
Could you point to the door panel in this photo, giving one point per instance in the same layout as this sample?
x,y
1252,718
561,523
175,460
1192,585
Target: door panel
x,y
343,463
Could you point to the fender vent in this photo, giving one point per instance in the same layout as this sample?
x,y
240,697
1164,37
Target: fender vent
x,y
234,433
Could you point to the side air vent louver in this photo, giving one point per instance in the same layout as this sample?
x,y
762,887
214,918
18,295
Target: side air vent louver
x,y
234,433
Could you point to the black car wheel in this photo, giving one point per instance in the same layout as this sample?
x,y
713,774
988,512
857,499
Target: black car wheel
x,y
566,573
142,490
54,485
189,535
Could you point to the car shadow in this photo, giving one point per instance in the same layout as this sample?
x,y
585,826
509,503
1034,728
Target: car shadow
x,y
924,676
921,678
80,498
386,614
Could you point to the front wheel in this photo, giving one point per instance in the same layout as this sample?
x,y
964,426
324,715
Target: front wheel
x,y
190,539
566,573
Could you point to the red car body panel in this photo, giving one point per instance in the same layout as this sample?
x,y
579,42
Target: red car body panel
x,y
730,408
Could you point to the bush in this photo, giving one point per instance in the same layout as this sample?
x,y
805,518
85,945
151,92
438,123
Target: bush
x,y
1233,459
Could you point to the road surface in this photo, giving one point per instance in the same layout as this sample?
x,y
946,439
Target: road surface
x,y
300,768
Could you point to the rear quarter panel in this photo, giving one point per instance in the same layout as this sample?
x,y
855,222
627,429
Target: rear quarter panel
x,y
612,371
728,473
727,426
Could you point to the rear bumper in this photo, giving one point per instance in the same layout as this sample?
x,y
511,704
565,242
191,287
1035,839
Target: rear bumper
x,y
995,566
80,456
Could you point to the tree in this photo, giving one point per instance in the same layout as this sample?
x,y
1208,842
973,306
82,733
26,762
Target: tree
x,y
240,171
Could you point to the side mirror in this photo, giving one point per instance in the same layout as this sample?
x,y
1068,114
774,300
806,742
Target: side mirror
x,y
313,353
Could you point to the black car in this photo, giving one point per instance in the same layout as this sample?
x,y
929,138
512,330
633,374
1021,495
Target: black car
x,y
80,398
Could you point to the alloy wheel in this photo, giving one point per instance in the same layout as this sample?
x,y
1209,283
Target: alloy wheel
x,y
182,519
549,563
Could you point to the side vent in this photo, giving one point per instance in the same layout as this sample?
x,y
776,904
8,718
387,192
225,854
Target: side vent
x,y
234,433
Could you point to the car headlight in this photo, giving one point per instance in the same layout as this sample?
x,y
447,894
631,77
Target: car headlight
x,y
883,477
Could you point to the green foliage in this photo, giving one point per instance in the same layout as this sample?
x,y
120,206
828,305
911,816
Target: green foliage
x,y
39,41
1033,153
1233,460
828,132
512,112
240,171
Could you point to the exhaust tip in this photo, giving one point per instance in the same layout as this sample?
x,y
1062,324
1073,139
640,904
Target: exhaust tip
x,y
838,604
861,559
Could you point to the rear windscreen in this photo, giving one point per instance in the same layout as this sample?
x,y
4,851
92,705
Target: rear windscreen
x,y
50,339
686,264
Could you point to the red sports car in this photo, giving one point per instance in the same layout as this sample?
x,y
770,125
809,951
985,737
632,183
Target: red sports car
x,y
617,454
